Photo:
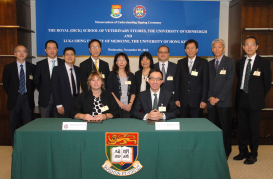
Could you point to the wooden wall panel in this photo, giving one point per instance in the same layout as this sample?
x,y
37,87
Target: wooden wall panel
x,y
8,12
270,41
271,16
254,15
23,14
8,40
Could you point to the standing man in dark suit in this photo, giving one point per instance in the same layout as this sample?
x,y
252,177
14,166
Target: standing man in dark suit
x,y
155,103
93,63
66,83
18,84
221,77
254,82
191,83
42,79
166,67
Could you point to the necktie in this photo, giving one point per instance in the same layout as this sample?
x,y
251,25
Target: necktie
x,y
163,72
73,82
247,75
96,65
216,66
53,65
155,102
22,83
190,67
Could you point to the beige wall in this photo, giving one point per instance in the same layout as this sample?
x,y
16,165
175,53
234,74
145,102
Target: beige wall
x,y
223,34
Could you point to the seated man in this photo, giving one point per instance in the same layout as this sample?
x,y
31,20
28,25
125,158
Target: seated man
x,y
155,103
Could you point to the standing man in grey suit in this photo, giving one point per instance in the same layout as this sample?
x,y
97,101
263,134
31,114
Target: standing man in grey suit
x,y
42,79
155,103
18,83
221,77
167,68
191,85
254,82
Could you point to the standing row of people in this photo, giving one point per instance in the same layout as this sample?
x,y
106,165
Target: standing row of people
x,y
154,92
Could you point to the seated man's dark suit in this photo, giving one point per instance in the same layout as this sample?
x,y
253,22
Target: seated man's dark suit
x,y
61,88
249,105
19,106
220,86
191,90
168,84
143,104
42,81
87,66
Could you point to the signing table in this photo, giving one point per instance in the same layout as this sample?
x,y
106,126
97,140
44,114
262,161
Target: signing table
x,y
43,150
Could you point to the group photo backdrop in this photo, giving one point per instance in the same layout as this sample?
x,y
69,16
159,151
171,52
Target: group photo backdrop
x,y
127,26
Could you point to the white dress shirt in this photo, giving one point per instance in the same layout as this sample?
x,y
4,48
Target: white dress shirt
x,y
189,62
244,72
50,64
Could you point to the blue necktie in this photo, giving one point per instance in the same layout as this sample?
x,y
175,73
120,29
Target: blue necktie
x,y
22,83
247,75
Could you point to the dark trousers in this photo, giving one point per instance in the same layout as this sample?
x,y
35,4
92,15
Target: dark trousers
x,y
50,110
222,118
67,110
248,126
188,112
125,114
21,114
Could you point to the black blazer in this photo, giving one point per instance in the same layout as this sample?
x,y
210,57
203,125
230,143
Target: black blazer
x,y
143,104
42,81
113,85
168,85
220,86
87,66
84,104
10,81
138,76
191,90
258,86
61,89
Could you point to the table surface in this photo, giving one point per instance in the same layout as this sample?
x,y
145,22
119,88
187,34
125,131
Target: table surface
x,y
43,150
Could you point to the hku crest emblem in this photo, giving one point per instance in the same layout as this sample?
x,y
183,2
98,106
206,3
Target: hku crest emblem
x,y
116,11
121,151
139,11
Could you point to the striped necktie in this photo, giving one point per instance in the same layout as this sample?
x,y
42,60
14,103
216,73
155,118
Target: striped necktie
x,y
247,75
22,83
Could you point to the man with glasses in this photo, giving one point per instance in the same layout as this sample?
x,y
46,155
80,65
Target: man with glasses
x,y
155,103
18,83
254,82
93,63
191,85
42,79
166,67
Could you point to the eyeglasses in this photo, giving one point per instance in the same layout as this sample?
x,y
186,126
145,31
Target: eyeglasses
x,y
190,48
252,44
93,47
155,79
163,52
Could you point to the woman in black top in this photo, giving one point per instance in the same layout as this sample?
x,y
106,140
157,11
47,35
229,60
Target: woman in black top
x,y
95,103
146,63
121,83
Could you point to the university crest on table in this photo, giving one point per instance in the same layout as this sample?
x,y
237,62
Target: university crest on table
x,y
121,151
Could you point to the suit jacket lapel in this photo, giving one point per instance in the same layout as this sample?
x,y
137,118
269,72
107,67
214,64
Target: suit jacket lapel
x,y
161,98
28,72
148,99
15,70
242,65
220,67
255,66
212,67
195,65
66,78
77,73
47,68
185,63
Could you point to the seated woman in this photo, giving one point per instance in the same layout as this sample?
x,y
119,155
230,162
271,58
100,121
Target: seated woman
x,y
121,83
146,63
95,103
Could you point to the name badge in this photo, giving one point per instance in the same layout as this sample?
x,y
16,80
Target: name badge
x,y
194,73
167,125
102,75
127,82
257,73
147,79
30,77
170,78
162,109
74,126
104,108
222,72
